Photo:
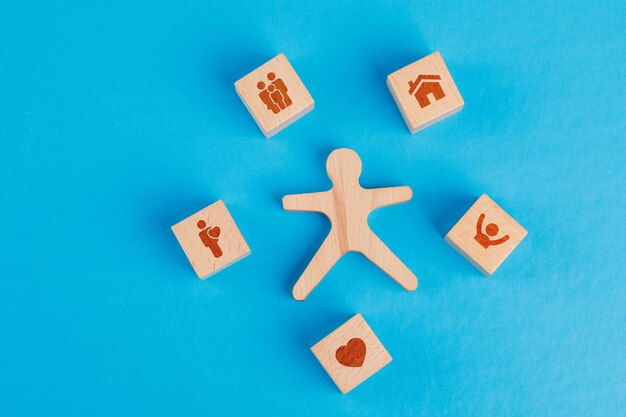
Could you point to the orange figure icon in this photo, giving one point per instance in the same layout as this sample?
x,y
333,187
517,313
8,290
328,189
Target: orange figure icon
x,y
491,230
422,88
209,237
275,96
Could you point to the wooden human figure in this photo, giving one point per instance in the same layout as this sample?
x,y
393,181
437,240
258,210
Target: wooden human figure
x,y
347,205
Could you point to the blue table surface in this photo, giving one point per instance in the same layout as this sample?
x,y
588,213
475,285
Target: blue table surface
x,y
118,119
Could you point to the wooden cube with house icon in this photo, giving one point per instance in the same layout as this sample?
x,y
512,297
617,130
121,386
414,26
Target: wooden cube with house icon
x,y
351,354
485,235
425,92
211,239
274,95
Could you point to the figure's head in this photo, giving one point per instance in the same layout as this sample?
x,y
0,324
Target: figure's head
x,y
271,88
343,163
260,85
201,224
492,229
271,76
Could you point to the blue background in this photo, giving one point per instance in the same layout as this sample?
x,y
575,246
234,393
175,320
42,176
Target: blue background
x,y
119,119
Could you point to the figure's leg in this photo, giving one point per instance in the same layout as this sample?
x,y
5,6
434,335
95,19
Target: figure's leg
x,y
326,256
385,259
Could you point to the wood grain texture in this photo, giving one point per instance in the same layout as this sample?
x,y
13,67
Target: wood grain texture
x,y
349,375
347,205
404,91
488,242
299,101
211,239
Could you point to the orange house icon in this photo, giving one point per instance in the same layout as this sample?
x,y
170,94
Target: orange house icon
x,y
425,85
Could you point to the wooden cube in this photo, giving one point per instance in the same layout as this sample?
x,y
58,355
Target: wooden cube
x,y
274,95
211,240
425,92
485,235
351,354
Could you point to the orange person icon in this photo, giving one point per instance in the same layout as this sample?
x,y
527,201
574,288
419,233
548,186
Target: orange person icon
x,y
275,96
266,99
209,237
492,229
280,85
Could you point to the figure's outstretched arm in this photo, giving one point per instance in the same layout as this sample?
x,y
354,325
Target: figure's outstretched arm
x,y
326,256
376,251
306,202
382,197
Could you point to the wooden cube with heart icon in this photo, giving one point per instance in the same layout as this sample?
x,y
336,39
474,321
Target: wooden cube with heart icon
x,y
274,95
351,354
486,235
211,239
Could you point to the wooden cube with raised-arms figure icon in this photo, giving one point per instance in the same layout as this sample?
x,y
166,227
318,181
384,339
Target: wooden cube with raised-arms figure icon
x,y
425,92
211,239
486,235
351,354
274,95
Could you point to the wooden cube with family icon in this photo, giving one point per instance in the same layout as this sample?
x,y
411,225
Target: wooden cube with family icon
x,y
211,239
274,95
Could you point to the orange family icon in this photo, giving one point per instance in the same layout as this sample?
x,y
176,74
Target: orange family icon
x,y
209,237
274,96
425,85
491,230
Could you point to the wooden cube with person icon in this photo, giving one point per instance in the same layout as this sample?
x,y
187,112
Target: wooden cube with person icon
x,y
274,95
425,92
486,235
211,239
